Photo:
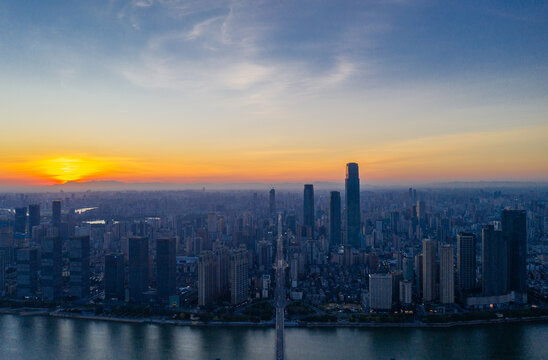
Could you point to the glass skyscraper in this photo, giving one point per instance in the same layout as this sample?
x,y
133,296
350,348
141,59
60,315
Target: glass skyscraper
x,y
352,195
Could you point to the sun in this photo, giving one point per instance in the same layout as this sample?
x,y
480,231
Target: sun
x,y
65,169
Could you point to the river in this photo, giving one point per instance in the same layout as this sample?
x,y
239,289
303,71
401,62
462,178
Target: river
x,y
40,338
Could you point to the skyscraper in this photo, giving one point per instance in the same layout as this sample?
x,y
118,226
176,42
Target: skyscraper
x,y
447,275
352,198
34,216
138,268
272,202
166,269
20,224
466,261
114,277
56,212
79,267
308,206
335,218
207,275
52,269
514,232
428,269
494,262
239,288
28,265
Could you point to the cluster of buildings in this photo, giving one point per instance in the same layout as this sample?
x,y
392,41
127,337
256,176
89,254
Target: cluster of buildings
x,y
382,250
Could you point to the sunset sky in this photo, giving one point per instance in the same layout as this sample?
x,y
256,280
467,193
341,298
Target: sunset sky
x,y
273,91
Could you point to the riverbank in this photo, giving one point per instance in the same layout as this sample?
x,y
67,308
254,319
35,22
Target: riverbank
x,y
288,324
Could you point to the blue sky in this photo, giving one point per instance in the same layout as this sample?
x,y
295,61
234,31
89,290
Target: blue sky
x,y
264,77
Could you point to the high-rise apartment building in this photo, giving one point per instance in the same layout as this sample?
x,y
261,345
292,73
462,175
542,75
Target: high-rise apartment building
x,y
352,198
447,274
207,276
239,288
466,261
429,269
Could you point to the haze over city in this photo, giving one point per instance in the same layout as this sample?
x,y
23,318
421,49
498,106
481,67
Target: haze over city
x,y
271,92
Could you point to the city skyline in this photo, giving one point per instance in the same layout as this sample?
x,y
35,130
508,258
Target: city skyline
x,y
225,92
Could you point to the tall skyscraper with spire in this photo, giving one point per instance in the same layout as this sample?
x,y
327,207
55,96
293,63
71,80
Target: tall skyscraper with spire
x,y
352,195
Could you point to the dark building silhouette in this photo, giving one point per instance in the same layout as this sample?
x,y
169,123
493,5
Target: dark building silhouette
x,y
114,277
335,218
138,268
34,216
308,206
28,266
166,269
466,261
514,232
20,224
56,212
352,198
494,262
52,269
79,267
272,202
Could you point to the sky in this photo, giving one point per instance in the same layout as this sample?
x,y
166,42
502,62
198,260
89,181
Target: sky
x,y
273,91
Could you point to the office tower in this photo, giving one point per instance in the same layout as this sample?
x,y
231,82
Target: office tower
x,y
207,275
447,275
514,232
264,255
272,202
34,216
56,212
494,262
20,224
138,268
380,291
222,268
79,267
466,261
406,294
418,273
428,269
407,267
52,269
28,266
421,210
166,271
335,219
352,198
397,276
239,288
308,206
114,277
